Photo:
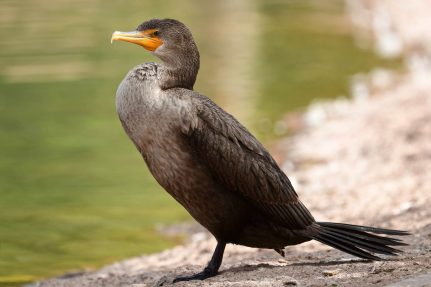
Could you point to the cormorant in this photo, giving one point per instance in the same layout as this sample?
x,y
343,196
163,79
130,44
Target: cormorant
x,y
211,164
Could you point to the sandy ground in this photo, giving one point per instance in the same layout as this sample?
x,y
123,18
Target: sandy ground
x,y
362,161
246,267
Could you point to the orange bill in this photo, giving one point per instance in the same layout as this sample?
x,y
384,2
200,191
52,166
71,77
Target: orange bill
x,y
146,39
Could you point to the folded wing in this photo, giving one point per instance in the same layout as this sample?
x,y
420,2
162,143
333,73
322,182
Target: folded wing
x,y
242,165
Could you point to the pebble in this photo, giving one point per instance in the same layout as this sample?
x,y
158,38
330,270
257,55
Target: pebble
x,y
329,273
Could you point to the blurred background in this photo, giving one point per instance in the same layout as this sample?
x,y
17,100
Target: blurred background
x,y
74,193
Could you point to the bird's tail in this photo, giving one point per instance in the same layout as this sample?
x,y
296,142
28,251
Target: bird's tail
x,y
360,241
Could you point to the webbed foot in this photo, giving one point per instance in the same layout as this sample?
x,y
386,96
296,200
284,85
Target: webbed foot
x,y
198,276
212,268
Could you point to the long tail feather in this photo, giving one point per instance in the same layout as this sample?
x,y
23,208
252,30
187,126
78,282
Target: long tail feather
x,y
358,240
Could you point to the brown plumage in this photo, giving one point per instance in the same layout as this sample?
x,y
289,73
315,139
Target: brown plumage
x,y
212,165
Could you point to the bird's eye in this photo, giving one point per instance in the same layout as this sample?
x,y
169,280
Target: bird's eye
x,y
156,33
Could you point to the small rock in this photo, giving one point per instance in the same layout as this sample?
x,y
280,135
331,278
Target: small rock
x,y
389,269
329,273
282,260
102,275
290,282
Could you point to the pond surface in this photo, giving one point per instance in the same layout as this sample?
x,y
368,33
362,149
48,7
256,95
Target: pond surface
x,y
74,193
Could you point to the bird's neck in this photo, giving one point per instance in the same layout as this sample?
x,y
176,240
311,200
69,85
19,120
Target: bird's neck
x,y
181,72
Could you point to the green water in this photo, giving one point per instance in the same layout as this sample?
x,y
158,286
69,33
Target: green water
x,y
74,193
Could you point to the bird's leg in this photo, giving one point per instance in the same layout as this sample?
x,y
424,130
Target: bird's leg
x,y
212,267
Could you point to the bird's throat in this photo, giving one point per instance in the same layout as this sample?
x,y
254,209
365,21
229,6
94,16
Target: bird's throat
x,y
184,77
180,70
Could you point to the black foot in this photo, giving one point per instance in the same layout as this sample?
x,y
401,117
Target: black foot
x,y
212,268
199,276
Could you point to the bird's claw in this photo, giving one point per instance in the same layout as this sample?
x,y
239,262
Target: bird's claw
x,y
199,276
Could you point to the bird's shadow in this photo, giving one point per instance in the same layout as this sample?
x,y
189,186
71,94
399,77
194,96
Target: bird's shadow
x,y
330,263
253,267
249,268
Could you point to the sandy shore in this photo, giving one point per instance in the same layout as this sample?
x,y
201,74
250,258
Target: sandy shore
x,y
363,161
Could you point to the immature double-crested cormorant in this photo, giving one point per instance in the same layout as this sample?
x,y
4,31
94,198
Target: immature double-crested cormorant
x,y
211,164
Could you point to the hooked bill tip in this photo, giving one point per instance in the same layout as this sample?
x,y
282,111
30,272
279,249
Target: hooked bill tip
x,y
114,36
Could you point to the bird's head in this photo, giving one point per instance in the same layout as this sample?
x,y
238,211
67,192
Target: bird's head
x,y
168,39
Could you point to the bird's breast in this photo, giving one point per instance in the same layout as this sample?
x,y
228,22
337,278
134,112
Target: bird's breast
x,y
144,109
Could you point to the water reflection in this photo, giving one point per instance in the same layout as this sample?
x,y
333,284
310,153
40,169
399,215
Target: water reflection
x,y
45,40
230,58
